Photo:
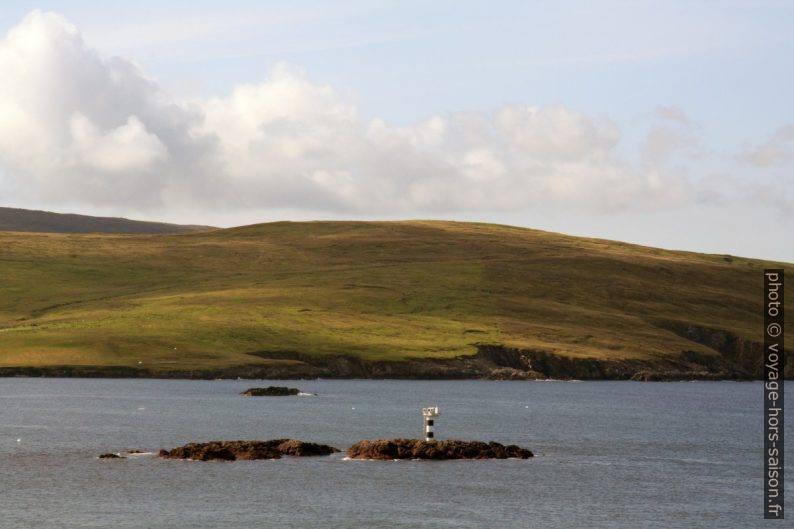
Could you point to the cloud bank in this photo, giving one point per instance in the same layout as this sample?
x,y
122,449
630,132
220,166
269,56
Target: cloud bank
x,y
777,149
76,127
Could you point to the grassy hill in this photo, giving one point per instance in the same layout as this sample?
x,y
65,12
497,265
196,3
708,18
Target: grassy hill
x,y
276,296
14,219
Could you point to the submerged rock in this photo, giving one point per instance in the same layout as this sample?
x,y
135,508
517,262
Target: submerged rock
x,y
110,456
234,450
420,449
270,391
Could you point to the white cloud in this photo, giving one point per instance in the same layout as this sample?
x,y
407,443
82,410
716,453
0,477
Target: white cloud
x,y
672,138
777,149
128,147
555,134
673,113
78,128
663,143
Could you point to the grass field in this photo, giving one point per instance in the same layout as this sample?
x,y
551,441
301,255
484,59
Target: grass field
x,y
378,290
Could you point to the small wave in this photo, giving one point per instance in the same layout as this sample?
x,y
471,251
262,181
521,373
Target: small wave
x,y
304,394
697,461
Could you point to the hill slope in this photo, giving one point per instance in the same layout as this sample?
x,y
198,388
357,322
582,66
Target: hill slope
x,y
374,299
14,219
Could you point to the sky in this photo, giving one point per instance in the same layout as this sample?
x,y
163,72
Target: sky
x,y
669,124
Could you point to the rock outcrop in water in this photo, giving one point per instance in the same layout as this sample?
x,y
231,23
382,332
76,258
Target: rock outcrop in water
x,y
234,450
270,391
124,454
420,449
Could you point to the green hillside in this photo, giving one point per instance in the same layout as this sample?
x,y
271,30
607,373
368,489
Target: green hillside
x,y
379,291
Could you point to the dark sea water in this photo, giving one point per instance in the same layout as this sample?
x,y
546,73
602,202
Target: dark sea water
x,y
609,454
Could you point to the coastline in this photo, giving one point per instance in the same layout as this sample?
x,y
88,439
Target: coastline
x,y
491,362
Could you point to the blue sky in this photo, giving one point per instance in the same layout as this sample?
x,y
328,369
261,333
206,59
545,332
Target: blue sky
x,y
678,115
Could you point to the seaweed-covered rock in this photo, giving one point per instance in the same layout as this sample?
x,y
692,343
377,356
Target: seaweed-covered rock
x,y
234,450
270,391
421,449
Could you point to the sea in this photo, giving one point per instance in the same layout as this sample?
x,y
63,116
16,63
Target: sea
x,y
608,455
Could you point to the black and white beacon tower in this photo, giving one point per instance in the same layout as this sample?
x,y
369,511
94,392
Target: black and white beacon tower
x,y
430,415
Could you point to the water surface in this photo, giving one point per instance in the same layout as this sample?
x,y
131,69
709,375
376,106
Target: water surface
x,y
609,454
